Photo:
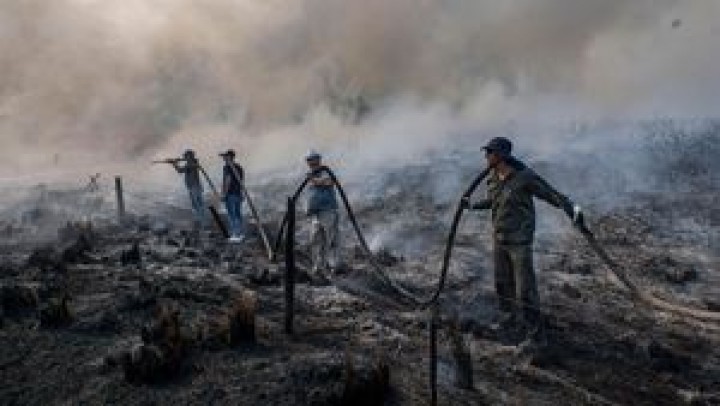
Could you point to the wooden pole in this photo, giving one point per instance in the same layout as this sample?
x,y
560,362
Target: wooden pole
x,y
119,198
433,353
290,267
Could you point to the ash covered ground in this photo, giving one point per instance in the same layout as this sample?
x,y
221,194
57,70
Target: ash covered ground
x,y
97,311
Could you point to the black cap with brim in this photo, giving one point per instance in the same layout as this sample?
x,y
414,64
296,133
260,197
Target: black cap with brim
x,y
499,145
230,153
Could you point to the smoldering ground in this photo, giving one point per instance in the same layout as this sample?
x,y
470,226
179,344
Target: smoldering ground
x,y
613,101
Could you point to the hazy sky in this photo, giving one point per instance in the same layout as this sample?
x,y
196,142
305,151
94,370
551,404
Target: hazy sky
x,y
118,78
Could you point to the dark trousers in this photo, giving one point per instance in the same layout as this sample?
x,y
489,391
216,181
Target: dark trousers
x,y
515,281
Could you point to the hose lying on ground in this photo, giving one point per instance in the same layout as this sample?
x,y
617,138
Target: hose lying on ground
x,y
638,293
449,244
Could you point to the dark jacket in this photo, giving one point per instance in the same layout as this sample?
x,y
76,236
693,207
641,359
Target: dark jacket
x,y
191,170
321,197
511,202
234,185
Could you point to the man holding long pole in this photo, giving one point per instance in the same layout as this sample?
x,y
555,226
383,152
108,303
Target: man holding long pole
x,y
511,189
191,171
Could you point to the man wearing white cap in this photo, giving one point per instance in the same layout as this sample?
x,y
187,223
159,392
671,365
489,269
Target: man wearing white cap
x,y
322,207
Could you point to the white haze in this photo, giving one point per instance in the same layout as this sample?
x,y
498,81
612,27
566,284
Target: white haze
x,y
124,81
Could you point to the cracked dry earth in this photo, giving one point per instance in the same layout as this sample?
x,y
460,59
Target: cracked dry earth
x,y
354,343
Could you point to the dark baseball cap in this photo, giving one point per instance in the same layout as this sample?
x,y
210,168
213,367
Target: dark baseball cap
x,y
230,153
499,145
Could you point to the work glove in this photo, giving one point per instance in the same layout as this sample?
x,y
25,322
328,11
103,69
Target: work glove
x,y
578,218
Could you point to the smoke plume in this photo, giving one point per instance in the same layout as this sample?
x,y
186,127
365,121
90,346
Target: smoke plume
x,y
126,79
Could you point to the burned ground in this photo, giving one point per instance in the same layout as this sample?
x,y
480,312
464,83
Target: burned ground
x,y
144,312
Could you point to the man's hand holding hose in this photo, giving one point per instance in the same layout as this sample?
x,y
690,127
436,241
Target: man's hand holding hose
x,y
575,213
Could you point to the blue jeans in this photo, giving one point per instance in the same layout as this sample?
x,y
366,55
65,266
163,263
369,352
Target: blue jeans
x,y
233,204
198,206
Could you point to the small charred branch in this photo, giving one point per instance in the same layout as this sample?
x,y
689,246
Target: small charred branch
x,y
73,230
242,318
163,351
18,299
463,359
132,256
266,277
214,333
56,312
367,383
56,257
47,259
235,326
433,327
386,258
144,363
75,251
290,267
119,198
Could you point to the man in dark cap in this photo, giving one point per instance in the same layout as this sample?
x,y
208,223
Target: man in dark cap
x,y
232,191
191,170
511,188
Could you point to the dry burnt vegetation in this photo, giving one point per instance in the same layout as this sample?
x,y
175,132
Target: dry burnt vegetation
x,y
143,312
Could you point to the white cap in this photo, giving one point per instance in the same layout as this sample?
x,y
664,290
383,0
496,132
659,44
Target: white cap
x,y
312,155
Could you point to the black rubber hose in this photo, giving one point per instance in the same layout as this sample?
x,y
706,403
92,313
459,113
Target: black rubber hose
x,y
363,243
289,221
448,246
213,211
641,295
450,242
283,222
208,179
219,222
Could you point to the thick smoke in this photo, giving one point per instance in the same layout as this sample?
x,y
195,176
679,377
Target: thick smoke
x,y
122,79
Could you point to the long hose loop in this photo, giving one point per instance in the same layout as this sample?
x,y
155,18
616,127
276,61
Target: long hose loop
x,y
423,303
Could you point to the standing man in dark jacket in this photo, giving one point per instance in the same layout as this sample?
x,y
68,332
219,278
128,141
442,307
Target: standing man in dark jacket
x,y
322,207
511,189
232,189
191,170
